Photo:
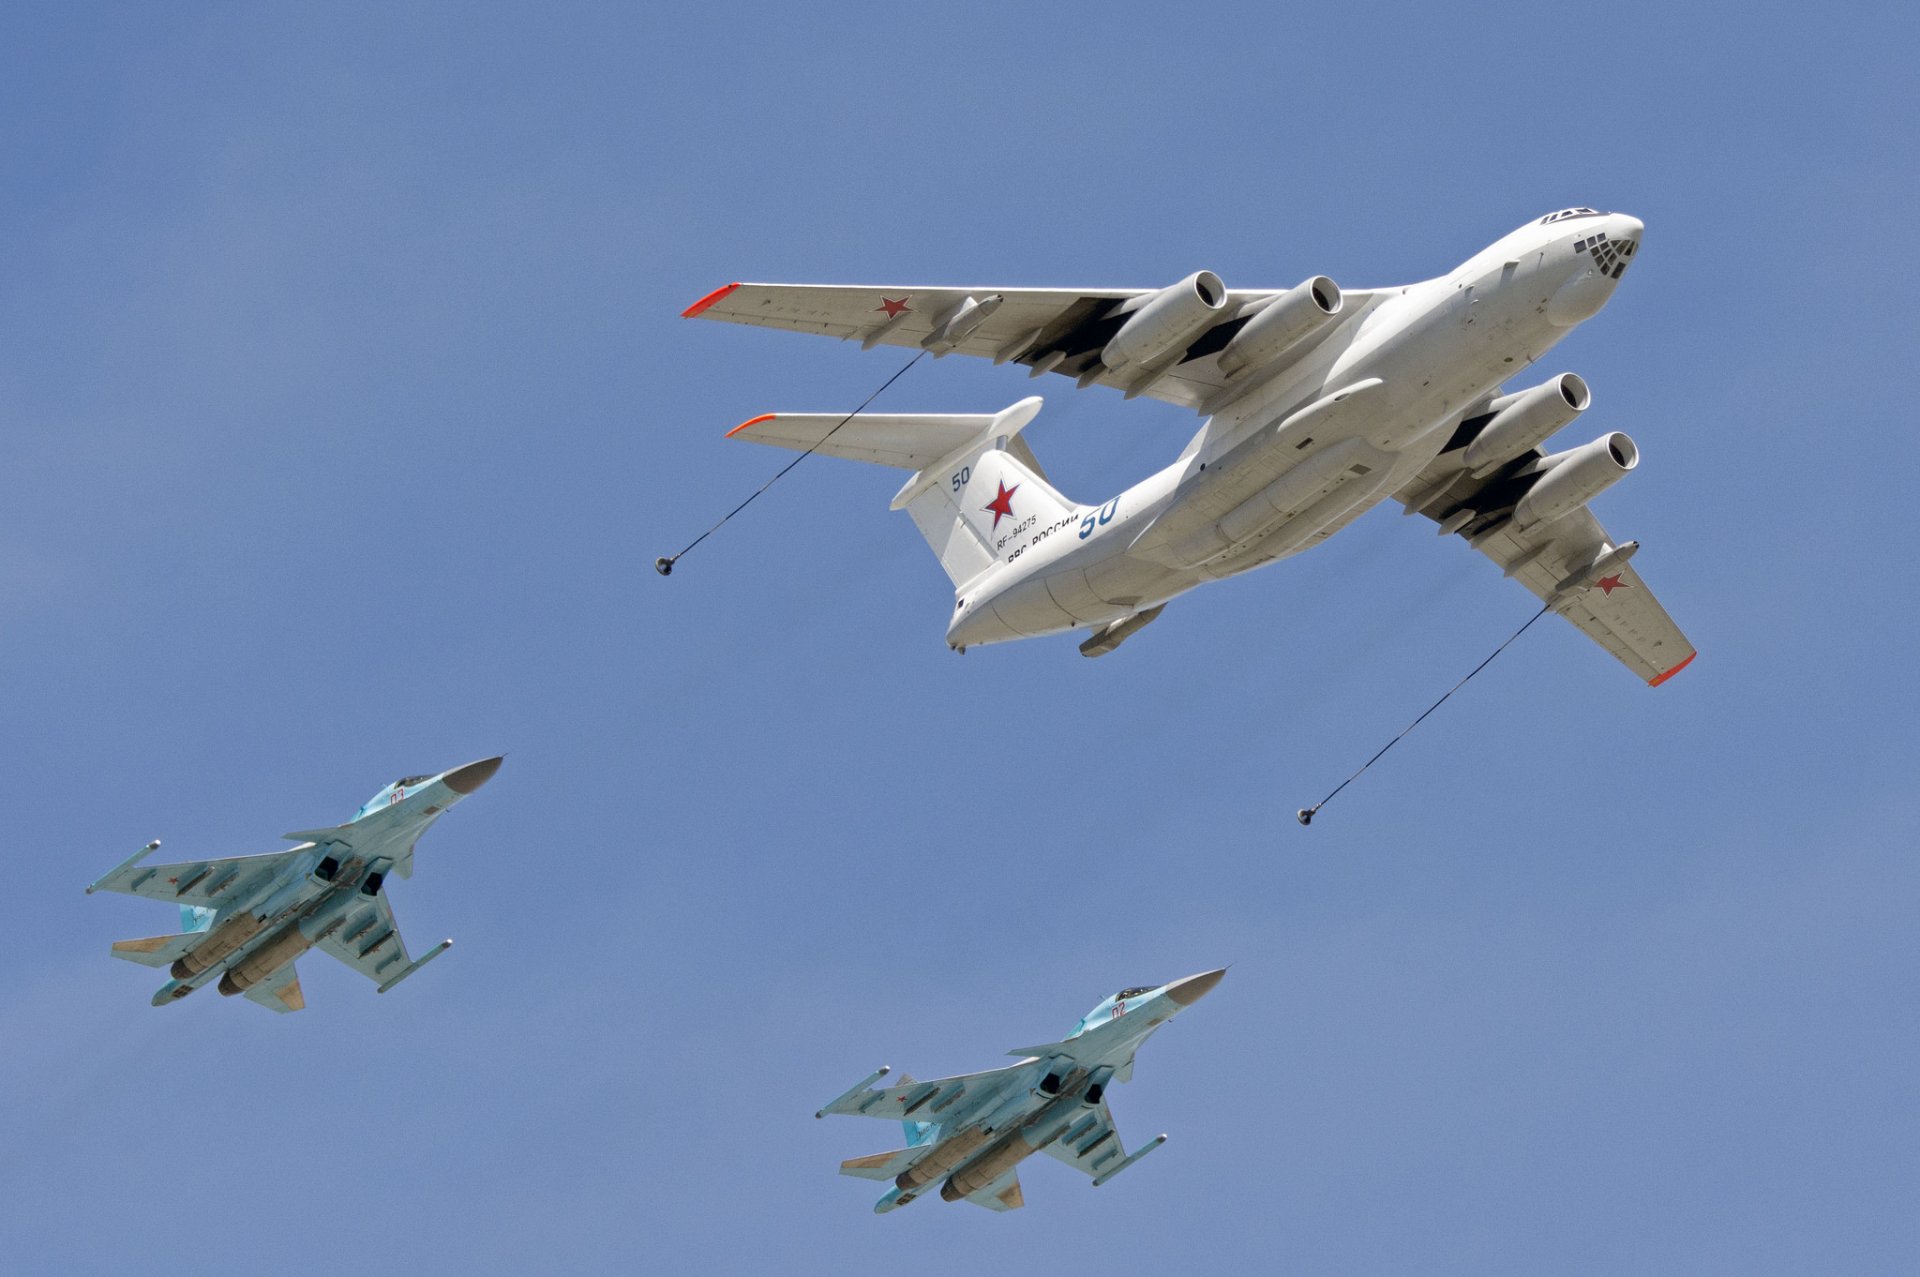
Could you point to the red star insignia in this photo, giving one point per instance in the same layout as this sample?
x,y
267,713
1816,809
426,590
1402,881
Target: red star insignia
x,y
1002,503
892,307
1608,584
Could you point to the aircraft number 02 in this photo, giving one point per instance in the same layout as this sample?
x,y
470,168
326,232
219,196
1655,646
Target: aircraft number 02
x,y
1100,518
961,476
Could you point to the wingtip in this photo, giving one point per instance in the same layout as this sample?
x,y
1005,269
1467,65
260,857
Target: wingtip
x,y
752,421
694,311
1655,682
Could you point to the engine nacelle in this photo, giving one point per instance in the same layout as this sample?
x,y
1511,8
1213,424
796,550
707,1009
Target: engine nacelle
x,y
223,940
1096,1086
1169,319
947,1154
1574,478
1524,420
991,1166
264,961
1282,324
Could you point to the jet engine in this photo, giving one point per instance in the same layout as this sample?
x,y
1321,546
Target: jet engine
x,y
977,1175
1574,478
1166,321
264,961
945,1155
224,939
1096,1087
1524,419
1282,324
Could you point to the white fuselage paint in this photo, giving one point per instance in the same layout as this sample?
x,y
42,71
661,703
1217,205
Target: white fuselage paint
x,y
1233,500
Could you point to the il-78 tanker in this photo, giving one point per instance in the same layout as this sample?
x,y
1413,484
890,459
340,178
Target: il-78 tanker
x,y
246,918
1320,403
969,1134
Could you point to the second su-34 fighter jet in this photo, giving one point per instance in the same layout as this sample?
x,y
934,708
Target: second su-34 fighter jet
x,y
973,1131
1321,403
247,918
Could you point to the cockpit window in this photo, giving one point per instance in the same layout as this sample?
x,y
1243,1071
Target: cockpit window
x,y
1124,994
408,782
1566,213
1609,255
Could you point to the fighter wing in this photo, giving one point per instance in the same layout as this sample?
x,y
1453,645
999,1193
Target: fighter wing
x,y
368,940
912,1101
205,884
1088,1141
1058,330
1568,562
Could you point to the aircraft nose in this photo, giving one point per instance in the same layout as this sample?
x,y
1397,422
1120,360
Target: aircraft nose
x,y
464,780
1190,990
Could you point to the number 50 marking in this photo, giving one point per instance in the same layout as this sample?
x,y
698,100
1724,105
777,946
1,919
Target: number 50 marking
x,y
961,479
1100,518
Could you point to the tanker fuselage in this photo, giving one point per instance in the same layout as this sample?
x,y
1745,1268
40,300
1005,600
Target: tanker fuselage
x,y
1282,464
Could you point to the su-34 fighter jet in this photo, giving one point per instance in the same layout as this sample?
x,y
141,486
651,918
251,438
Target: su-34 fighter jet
x,y
973,1131
247,918
1320,404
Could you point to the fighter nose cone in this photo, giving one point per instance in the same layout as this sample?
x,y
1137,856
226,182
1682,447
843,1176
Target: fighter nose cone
x,y
1190,990
464,780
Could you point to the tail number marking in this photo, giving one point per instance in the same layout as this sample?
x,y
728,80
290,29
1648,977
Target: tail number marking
x,y
962,477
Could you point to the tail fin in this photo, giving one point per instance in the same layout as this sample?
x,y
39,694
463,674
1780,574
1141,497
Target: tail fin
x,y
918,1133
986,501
975,481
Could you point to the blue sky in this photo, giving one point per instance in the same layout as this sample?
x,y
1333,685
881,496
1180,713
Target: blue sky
x,y
344,403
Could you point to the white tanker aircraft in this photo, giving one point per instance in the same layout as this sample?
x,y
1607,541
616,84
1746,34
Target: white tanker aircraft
x,y
1320,403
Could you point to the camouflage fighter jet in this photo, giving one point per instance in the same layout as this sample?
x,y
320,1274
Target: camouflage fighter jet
x,y
974,1130
247,918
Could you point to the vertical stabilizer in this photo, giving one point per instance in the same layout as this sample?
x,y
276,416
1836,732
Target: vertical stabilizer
x,y
987,501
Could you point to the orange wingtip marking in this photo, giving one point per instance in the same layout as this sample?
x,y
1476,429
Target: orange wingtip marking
x,y
765,416
1670,673
707,301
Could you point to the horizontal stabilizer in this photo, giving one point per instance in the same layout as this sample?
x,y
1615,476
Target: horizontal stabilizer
x,y
884,1165
1003,1194
279,991
906,441
157,951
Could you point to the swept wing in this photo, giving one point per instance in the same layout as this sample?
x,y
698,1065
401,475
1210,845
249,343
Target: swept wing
x,y
1613,606
368,940
205,884
1053,329
1088,1141
927,1101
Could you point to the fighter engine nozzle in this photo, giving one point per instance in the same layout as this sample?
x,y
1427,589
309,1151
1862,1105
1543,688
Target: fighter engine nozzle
x,y
464,780
1190,990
